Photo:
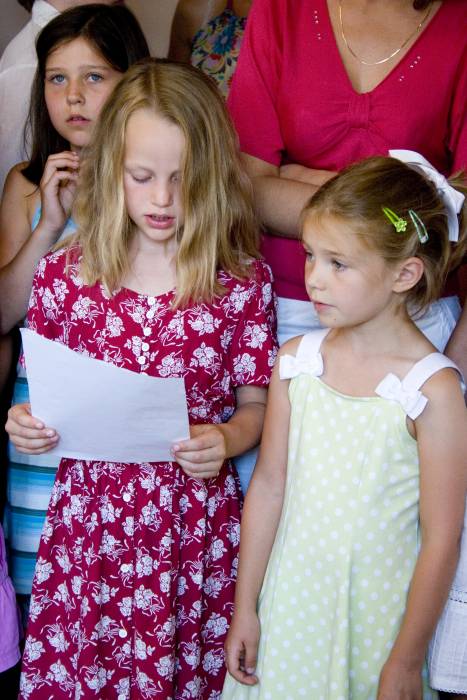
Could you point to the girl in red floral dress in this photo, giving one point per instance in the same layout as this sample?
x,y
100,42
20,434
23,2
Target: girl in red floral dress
x,y
134,583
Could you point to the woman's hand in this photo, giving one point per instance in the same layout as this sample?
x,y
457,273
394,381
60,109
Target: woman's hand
x,y
58,189
29,434
399,681
241,648
204,453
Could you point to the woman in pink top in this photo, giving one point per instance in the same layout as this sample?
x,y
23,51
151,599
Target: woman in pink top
x,y
321,84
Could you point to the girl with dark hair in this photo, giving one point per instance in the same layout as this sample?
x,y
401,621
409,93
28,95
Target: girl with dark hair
x,y
82,54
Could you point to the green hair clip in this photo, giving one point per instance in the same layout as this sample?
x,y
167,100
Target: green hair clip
x,y
399,224
420,227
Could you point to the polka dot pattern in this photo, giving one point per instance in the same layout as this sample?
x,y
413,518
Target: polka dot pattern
x,y
335,589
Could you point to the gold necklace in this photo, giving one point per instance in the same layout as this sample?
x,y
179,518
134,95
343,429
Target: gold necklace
x,y
394,53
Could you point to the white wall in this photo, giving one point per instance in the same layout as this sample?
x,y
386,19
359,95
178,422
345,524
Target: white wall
x,y
155,17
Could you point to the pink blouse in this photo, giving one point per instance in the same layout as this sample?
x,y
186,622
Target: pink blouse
x,y
292,102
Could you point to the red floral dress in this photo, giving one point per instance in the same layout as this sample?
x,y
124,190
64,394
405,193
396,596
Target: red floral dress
x,y
134,582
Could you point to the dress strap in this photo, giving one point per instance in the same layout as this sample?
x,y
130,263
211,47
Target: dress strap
x,y
407,392
308,359
229,5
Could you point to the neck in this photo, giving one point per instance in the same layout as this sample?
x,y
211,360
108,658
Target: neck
x,y
59,5
152,268
386,333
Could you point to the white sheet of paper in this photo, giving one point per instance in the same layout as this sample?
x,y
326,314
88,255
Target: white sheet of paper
x,y
100,411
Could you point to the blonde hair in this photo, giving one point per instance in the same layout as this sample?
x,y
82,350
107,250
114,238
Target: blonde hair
x,y
357,196
220,228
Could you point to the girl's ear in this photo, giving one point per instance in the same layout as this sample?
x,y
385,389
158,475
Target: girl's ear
x,y
408,274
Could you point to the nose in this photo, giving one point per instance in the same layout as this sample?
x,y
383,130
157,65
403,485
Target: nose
x,y
74,93
314,277
162,193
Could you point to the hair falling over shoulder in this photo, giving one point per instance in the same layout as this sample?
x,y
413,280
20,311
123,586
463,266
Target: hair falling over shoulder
x,y
220,229
358,195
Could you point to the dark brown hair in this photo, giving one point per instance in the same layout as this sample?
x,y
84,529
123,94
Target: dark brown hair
x,y
113,31
357,196
27,4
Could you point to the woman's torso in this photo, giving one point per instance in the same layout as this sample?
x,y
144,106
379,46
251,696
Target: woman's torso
x,y
309,112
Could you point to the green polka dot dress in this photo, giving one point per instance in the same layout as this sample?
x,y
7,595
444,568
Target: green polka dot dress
x,y
335,589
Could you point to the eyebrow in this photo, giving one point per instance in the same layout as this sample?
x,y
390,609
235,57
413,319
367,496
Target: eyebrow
x,y
331,253
85,66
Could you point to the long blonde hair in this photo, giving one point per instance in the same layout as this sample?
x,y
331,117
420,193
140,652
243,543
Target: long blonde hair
x,y
357,196
220,228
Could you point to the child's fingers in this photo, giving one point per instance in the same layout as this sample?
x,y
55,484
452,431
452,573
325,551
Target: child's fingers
x,y
34,446
204,441
204,472
200,457
235,654
19,416
250,658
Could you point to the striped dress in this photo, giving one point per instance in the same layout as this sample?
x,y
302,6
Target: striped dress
x,y
29,484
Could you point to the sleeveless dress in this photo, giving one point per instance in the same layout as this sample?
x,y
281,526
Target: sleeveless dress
x,y
216,46
134,583
29,484
335,588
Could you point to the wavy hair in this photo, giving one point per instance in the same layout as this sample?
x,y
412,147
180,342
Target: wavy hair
x,y
357,196
220,228
110,29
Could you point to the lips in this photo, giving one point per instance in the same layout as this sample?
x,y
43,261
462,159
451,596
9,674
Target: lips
x,y
77,119
320,306
160,221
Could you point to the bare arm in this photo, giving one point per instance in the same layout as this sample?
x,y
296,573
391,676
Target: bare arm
x,y
457,347
188,19
21,249
261,515
279,193
442,444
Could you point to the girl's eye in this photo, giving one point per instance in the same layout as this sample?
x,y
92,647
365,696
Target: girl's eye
x,y
57,79
95,78
338,265
176,177
308,255
141,179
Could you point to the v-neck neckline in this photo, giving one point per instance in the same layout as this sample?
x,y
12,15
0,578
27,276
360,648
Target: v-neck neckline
x,y
397,66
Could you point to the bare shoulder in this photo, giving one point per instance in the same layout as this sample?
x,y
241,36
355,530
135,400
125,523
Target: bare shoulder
x,y
290,346
444,387
445,413
17,186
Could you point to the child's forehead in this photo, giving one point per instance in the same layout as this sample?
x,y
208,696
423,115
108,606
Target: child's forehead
x,y
329,228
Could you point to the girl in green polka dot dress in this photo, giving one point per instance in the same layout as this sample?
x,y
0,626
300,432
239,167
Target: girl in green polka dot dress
x,y
352,522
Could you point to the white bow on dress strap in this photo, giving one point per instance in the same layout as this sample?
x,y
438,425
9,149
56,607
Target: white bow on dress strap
x,y
291,366
412,401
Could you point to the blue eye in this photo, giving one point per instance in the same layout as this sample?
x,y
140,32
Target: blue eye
x,y
95,78
338,265
57,79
